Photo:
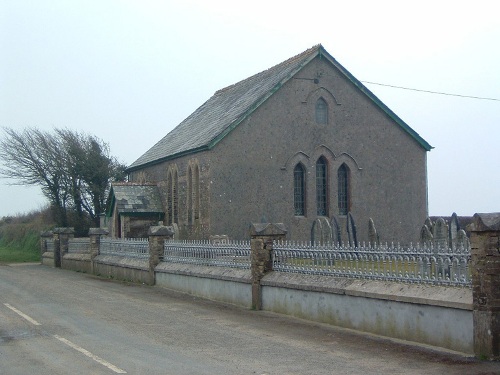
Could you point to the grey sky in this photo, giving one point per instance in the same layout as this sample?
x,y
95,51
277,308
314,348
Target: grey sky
x,y
129,71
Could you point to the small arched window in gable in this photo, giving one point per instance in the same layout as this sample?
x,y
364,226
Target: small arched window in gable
x,y
321,112
344,194
299,190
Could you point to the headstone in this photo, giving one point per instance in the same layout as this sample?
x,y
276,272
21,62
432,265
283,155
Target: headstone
x,y
463,243
426,238
440,234
321,231
428,222
351,231
372,233
336,232
454,228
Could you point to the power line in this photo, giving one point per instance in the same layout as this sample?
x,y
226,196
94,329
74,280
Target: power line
x,y
432,92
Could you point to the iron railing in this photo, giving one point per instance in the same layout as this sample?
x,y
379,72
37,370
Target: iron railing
x,y
412,264
129,247
49,245
222,254
79,245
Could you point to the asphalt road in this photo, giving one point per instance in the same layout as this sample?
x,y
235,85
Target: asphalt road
x,y
54,321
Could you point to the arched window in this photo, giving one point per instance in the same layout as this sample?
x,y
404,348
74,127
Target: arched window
x,y
189,196
175,197
169,197
344,195
172,195
193,193
321,112
299,190
196,192
322,187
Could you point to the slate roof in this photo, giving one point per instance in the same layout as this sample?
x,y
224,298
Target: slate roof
x,y
132,198
228,107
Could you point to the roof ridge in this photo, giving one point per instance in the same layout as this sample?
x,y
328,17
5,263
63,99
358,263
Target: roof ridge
x,y
288,61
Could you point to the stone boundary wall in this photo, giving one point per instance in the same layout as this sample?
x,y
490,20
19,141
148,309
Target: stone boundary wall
x,y
122,268
77,262
432,315
228,285
454,318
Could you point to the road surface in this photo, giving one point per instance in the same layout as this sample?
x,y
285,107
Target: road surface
x,y
54,321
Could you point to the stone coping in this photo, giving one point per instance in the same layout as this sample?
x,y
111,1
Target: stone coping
x,y
209,272
452,297
77,256
125,262
48,254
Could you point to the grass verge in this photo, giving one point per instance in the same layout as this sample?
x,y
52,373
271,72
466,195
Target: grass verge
x,y
12,255
25,250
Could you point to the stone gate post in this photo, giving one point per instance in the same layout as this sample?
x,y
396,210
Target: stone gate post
x,y
61,239
95,235
262,237
157,237
485,262
45,236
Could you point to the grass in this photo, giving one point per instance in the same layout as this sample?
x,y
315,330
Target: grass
x,y
12,255
20,237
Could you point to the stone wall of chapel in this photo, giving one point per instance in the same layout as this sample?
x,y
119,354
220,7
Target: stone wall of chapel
x,y
252,167
158,174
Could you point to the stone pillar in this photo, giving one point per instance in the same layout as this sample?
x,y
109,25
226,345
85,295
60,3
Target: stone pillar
x,y
157,237
95,235
262,237
485,263
44,237
61,239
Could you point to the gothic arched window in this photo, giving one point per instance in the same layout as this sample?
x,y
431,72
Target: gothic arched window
x,y
299,190
193,193
175,196
321,112
344,198
172,195
322,187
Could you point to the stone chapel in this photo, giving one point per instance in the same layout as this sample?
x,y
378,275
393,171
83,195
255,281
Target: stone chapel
x,y
299,142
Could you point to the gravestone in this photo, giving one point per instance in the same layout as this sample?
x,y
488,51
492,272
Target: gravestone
x,y
462,243
426,238
336,232
428,222
440,234
321,231
454,228
372,234
351,231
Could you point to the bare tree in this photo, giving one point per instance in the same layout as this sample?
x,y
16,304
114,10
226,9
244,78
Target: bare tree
x,y
74,170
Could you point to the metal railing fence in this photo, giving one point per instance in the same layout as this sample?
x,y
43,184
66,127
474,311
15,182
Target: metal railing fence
x,y
79,245
49,245
412,264
128,247
234,254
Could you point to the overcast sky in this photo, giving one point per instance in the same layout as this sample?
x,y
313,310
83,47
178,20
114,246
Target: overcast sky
x,y
130,71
